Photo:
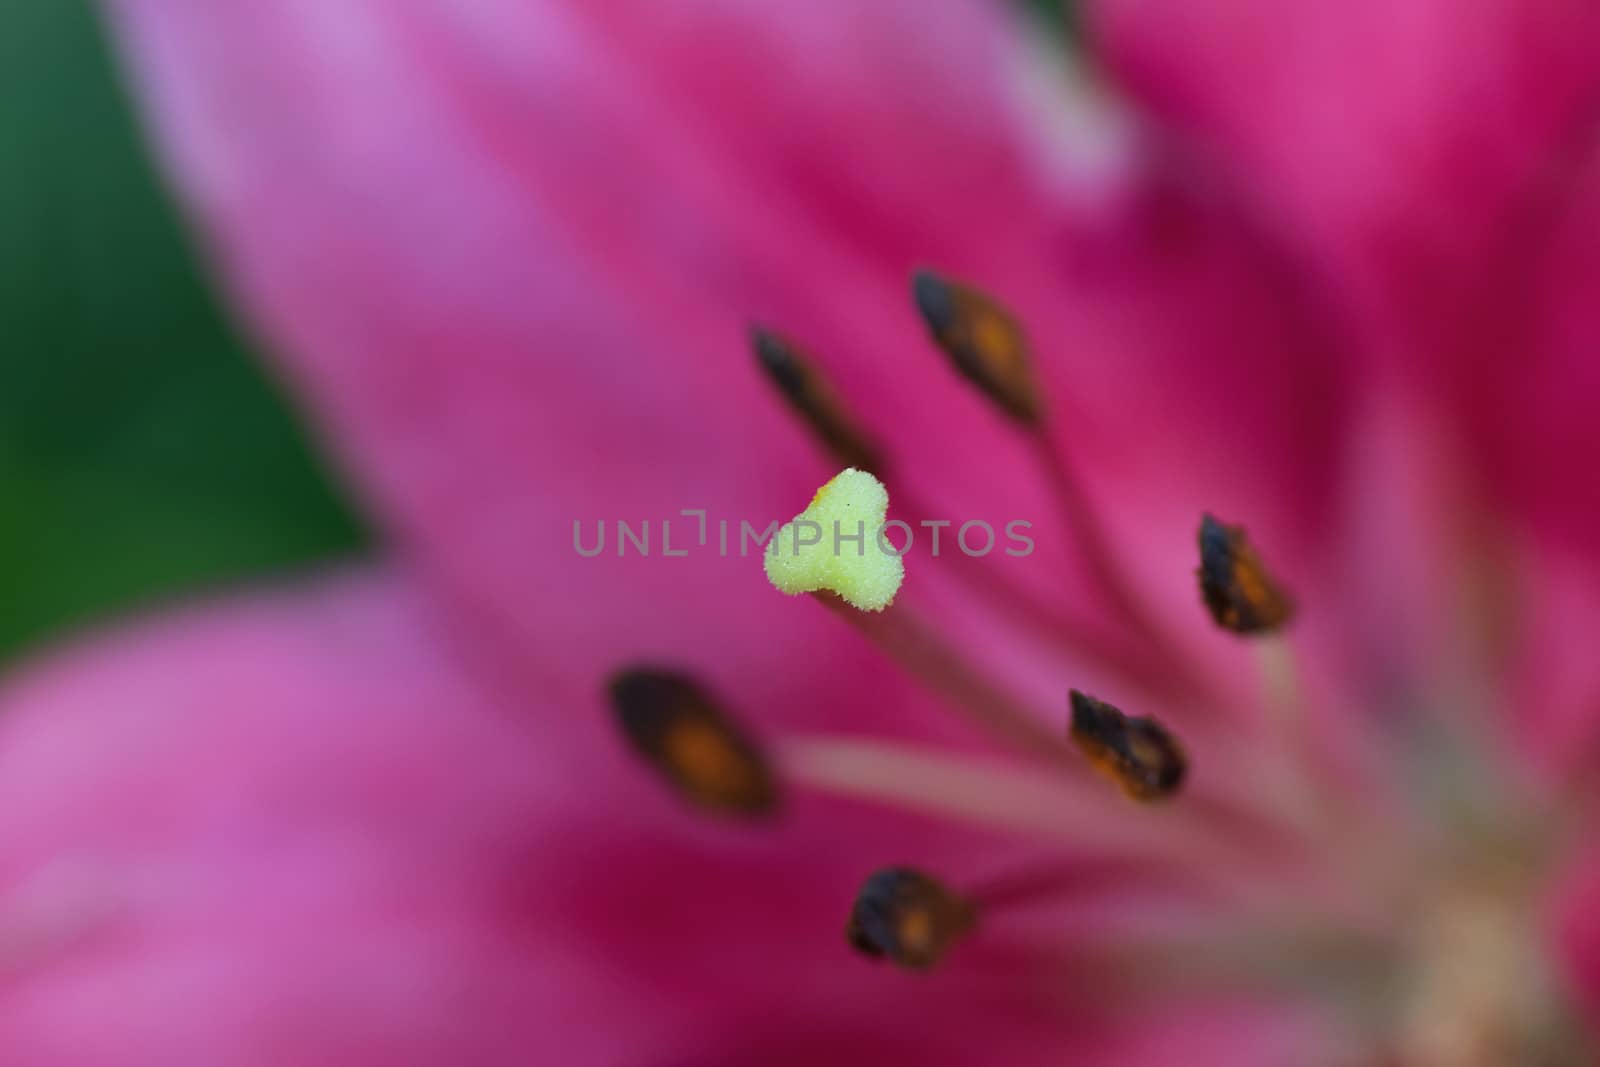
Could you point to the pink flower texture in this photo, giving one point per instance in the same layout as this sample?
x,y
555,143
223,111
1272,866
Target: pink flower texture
x,y
1325,272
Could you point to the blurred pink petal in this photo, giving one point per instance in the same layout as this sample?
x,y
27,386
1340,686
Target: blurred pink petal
x,y
1400,141
273,832
1437,159
1533,423
1574,927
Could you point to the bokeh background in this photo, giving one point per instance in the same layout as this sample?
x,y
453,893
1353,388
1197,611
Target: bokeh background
x,y
144,454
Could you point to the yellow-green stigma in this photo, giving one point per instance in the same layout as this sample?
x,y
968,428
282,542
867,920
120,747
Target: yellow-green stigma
x,y
837,545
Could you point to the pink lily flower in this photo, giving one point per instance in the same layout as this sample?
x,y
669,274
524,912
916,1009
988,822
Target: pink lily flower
x,y
1319,272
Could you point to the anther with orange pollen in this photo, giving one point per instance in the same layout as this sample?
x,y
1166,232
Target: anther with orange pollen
x,y
811,396
1241,596
984,342
675,725
1139,754
908,918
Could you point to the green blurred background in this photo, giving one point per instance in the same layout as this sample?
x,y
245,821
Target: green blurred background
x,y
143,453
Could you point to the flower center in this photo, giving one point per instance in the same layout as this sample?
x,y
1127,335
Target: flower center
x,y
1475,989
1411,933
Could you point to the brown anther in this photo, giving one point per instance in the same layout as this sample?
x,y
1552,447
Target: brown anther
x,y
906,917
1238,591
813,397
1138,754
670,721
985,342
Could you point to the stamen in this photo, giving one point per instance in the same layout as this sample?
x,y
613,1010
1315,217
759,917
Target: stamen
x,y
837,544
813,397
986,703
990,349
1100,559
1214,852
1238,591
986,794
907,917
1298,778
1138,754
684,735
1280,677
986,344
1051,805
968,690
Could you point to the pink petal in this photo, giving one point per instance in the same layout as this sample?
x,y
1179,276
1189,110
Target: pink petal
x,y
1535,411
1571,924
1399,140
264,834
510,257
1429,155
